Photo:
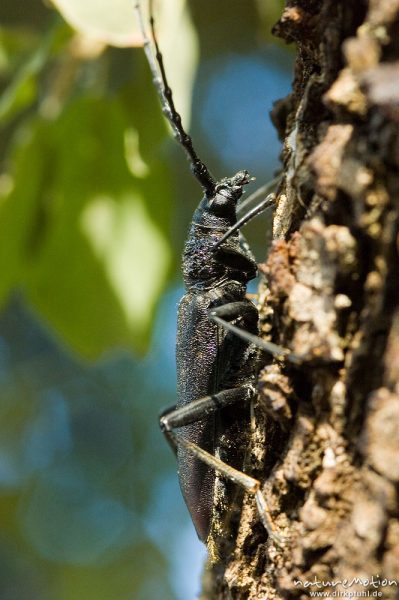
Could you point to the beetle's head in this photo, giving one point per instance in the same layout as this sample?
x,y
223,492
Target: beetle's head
x,y
227,192
217,210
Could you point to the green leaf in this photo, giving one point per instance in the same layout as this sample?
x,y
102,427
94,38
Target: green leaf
x,y
119,27
81,234
115,25
22,89
85,203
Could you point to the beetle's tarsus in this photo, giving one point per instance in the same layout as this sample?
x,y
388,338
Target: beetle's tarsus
x,y
266,519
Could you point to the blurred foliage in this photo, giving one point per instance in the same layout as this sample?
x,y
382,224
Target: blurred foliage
x,y
95,199
117,27
85,512
85,192
86,197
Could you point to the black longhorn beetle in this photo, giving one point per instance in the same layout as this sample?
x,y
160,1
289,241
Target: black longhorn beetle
x,y
217,350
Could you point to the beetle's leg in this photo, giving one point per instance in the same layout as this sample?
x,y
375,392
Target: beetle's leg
x,y
178,416
196,410
261,192
233,310
256,210
222,315
248,483
200,409
163,417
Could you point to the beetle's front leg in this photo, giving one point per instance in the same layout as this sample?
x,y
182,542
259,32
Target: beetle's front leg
x,y
267,202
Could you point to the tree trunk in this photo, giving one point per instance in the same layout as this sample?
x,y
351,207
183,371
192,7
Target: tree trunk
x,y
325,440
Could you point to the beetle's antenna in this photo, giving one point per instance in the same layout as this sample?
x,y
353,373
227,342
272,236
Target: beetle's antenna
x,y
157,67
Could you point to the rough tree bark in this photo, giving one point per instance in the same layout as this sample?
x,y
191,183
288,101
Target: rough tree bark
x,y
326,436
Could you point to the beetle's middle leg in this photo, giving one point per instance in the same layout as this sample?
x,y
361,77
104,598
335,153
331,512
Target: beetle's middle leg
x,y
224,314
201,409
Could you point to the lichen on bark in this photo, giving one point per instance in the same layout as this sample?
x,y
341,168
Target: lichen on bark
x,y
326,433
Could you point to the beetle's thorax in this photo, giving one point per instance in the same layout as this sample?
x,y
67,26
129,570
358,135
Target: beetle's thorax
x,y
203,266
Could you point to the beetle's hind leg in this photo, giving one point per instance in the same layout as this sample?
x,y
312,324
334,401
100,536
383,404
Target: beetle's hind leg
x,y
200,409
249,484
196,410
